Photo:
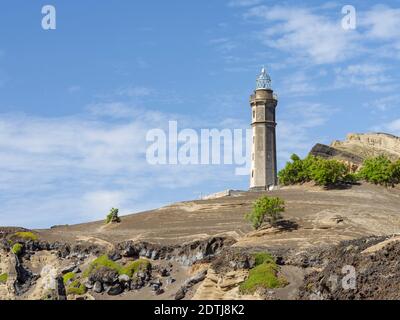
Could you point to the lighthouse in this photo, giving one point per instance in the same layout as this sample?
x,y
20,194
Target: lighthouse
x,y
263,102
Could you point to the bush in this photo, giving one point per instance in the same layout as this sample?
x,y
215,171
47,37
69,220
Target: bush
x,y
102,261
328,172
3,278
26,235
134,267
324,172
17,249
106,262
76,288
263,257
266,209
113,216
296,172
68,277
381,170
263,275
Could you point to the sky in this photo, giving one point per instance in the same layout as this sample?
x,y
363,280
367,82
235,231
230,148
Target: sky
x,y
77,102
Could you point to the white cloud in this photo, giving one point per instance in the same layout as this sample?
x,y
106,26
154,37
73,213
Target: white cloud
x,y
73,169
304,34
295,128
385,103
373,77
73,89
134,91
223,45
392,127
382,22
243,3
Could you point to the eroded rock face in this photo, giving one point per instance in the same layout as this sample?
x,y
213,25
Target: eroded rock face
x,y
358,147
222,286
185,254
37,273
357,269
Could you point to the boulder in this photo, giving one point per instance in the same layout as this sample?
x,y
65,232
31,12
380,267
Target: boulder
x,y
115,289
98,287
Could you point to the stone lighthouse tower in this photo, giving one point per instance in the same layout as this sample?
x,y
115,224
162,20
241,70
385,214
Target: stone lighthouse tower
x,y
263,175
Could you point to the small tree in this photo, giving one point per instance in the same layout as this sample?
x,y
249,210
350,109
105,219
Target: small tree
x,y
266,209
380,170
113,216
297,171
328,172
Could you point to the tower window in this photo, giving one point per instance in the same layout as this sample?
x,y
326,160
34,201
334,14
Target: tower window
x,y
252,173
254,114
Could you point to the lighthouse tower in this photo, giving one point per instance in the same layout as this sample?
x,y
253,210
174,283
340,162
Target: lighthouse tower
x,y
263,102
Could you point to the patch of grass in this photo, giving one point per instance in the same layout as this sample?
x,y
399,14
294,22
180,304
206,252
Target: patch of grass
x,y
263,275
68,277
263,257
26,235
17,249
106,262
102,261
135,267
76,288
3,278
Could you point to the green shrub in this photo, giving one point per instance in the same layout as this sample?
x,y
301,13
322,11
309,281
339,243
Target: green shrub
x,y
265,209
26,235
324,172
3,278
380,170
263,275
296,172
76,288
68,277
106,262
102,261
136,266
17,249
263,257
328,172
113,216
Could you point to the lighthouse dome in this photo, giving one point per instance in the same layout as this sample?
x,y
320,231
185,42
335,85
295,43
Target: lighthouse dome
x,y
263,80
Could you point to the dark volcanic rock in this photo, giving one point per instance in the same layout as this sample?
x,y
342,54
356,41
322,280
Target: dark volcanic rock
x,y
186,254
98,287
348,273
115,290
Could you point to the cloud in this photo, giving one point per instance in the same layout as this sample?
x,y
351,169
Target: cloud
x,y
223,45
74,169
243,3
73,89
134,91
295,128
382,22
305,35
385,103
391,127
373,77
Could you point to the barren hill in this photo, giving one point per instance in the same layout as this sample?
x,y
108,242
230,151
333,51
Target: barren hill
x,y
313,216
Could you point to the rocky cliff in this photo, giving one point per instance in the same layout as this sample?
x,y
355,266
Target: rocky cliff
x,y
358,147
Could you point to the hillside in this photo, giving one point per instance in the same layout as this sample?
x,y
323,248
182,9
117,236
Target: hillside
x,y
204,249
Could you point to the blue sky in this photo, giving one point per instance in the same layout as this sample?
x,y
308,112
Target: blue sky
x,y
76,102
